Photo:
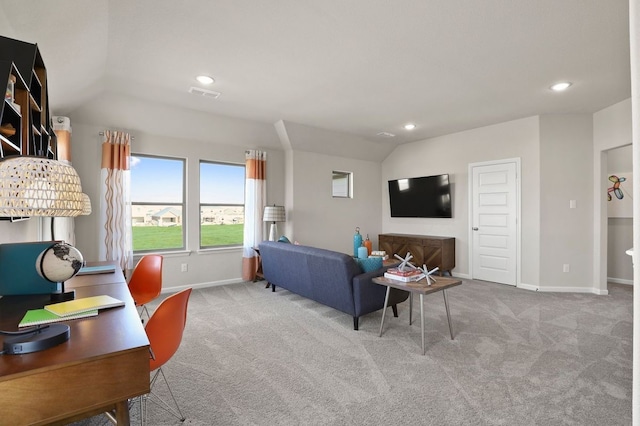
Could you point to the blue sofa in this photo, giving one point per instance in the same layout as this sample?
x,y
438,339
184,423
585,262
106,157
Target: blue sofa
x,y
328,277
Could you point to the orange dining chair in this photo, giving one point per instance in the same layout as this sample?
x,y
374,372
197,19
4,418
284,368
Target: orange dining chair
x,y
145,283
164,330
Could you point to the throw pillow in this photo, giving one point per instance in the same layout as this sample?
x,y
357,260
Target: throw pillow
x,y
370,264
284,239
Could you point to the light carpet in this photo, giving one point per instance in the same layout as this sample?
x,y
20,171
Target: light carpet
x,y
253,357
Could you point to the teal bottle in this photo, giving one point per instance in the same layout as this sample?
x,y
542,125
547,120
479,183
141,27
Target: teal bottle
x,y
357,242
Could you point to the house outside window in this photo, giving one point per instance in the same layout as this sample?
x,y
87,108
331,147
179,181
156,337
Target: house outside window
x,y
157,203
221,204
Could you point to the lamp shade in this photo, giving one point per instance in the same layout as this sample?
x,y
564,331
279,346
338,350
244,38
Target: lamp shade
x,y
39,186
86,205
273,214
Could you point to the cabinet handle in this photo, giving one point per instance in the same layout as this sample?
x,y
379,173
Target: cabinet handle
x,y
474,228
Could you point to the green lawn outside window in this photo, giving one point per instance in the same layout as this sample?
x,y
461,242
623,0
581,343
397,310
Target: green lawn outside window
x,y
146,238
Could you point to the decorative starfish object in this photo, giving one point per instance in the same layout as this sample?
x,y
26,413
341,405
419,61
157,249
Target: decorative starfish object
x,y
405,261
427,273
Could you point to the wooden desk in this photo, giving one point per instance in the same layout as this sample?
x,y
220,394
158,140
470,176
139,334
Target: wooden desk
x,y
421,288
103,364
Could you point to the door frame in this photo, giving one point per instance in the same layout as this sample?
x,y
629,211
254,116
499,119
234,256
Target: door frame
x,y
517,162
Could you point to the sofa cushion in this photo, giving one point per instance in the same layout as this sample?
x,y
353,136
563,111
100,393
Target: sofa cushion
x,y
370,264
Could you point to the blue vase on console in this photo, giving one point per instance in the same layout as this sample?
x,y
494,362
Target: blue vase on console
x,y
357,242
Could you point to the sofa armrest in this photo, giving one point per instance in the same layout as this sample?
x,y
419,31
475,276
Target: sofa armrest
x,y
369,297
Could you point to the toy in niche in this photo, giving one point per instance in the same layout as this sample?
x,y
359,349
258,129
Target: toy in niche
x,y
9,94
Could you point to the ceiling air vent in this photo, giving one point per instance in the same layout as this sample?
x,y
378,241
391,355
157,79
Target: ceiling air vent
x,y
386,135
204,92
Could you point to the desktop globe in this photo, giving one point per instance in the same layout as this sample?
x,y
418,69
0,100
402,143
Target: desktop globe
x,y
59,262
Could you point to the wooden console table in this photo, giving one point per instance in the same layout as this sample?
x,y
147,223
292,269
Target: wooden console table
x,y
432,251
103,364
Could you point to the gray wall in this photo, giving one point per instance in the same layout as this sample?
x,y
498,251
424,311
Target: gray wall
x,y
611,129
324,221
452,154
566,234
619,230
205,267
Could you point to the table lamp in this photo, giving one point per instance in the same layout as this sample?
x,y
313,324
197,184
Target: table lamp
x,y
273,214
39,186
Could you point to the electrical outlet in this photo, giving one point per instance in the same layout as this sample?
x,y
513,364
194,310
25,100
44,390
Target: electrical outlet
x,y
565,267
184,267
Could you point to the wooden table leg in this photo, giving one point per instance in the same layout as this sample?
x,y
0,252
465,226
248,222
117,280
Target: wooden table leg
x,y
122,413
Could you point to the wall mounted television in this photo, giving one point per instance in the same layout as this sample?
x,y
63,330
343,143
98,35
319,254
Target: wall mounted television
x,y
426,196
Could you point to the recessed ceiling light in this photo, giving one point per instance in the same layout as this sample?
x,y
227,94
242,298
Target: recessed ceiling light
x,y
409,126
204,79
559,87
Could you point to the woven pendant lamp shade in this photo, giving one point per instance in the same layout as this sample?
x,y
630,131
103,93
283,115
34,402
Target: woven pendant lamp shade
x,y
38,186
86,205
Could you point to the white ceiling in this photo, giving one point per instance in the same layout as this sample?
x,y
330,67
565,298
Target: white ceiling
x,y
354,66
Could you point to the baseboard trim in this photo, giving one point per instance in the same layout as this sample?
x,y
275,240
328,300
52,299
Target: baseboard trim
x,y
526,286
173,289
619,281
463,276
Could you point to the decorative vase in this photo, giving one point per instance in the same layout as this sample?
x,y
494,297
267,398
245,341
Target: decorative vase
x,y
357,242
368,245
362,252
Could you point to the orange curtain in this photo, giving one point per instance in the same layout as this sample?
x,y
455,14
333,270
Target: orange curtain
x,y
254,199
115,204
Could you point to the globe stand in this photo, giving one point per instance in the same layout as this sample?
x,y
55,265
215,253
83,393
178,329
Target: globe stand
x,y
63,296
35,339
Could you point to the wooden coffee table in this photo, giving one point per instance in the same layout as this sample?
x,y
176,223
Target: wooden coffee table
x,y
422,288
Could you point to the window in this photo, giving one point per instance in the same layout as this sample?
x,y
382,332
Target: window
x,y
341,185
221,204
157,203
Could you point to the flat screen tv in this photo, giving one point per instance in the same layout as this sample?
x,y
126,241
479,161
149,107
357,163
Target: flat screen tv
x,y
427,196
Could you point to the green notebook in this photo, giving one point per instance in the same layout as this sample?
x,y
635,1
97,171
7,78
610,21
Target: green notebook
x,y
42,316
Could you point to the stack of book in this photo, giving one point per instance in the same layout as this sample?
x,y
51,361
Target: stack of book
x,y
406,275
379,253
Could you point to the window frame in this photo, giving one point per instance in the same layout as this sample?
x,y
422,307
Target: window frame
x,y
201,204
338,174
183,205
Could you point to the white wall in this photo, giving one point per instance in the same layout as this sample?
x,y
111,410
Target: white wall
x,y
611,129
320,220
18,232
452,154
566,235
204,267
619,229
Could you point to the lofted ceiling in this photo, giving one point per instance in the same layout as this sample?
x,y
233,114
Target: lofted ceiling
x,y
354,66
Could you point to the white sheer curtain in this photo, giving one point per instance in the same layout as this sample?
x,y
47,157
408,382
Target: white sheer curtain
x,y
115,200
254,199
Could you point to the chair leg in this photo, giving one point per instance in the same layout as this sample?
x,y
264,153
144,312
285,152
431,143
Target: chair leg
x,y
159,401
143,310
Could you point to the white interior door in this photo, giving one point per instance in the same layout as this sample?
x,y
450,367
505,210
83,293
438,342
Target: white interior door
x,y
494,222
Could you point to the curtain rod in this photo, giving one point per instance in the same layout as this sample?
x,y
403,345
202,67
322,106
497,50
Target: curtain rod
x,y
102,134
